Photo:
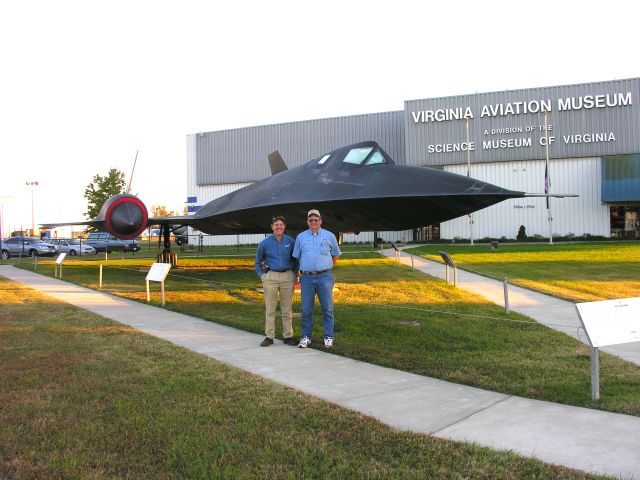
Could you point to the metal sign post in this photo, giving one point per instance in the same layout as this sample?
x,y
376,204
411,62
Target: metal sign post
x,y
157,273
608,322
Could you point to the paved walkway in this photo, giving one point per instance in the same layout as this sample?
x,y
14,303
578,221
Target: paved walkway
x,y
581,438
558,314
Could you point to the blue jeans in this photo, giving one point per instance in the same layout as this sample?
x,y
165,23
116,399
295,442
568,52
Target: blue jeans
x,y
310,286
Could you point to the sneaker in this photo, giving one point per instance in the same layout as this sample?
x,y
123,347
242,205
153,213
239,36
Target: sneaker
x,y
266,342
304,342
328,342
289,341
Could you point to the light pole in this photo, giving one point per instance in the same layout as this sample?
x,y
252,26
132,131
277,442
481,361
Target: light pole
x,y
33,223
2,232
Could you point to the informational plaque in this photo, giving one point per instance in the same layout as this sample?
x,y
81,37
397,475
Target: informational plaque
x,y
57,266
446,258
448,262
158,272
611,322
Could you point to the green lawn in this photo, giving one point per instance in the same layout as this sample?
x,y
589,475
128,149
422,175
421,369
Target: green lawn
x,y
388,315
581,272
84,397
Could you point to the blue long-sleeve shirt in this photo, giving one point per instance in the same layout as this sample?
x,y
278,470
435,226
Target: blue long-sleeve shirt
x,y
277,255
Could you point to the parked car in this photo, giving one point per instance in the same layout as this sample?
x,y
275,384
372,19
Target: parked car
x,y
132,246
26,246
181,236
72,246
102,241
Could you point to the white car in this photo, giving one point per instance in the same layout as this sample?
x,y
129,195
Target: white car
x,y
72,246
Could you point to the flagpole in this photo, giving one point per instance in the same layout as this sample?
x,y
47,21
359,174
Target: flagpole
x,y
547,177
467,121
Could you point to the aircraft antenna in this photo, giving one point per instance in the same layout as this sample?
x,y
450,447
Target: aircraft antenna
x,y
131,177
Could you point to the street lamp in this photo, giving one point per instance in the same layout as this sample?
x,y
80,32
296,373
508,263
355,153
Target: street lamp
x,y
33,223
3,197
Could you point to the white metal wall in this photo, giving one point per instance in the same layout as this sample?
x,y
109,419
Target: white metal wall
x,y
579,216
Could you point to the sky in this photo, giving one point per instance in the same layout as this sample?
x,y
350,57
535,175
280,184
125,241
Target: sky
x,y
87,85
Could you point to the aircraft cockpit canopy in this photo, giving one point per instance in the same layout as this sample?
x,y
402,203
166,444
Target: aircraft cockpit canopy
x,y
362,155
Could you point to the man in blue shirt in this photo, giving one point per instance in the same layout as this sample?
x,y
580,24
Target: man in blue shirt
x,y
277,269
317,251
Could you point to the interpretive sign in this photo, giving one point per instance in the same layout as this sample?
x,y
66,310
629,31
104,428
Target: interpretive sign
x,y
611,322
447,259
448,262
57,266
608,322
157,273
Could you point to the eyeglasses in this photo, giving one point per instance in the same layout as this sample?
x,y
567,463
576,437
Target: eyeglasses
x,y
313,219
275,219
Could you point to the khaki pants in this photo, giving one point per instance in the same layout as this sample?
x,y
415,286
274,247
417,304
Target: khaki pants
x,y
272,283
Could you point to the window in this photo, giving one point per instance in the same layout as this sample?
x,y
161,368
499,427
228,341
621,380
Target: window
x,y
357,155
376,158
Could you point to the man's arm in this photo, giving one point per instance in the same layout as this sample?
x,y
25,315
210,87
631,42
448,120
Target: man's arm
x,y
335,249
259,257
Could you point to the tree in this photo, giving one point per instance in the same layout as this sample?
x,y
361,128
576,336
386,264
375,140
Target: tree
x,y
522,234
161,211
101,189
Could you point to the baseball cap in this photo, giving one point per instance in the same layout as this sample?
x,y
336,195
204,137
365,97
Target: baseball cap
x,y
314,212
278,217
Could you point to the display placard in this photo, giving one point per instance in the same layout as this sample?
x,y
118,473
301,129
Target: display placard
x,y
611,322
158,272
447,259
60,258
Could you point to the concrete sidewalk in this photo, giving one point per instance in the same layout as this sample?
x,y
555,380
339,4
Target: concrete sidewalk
x,y
581,438
553,312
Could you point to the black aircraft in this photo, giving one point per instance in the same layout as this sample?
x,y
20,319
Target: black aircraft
x,y
357,188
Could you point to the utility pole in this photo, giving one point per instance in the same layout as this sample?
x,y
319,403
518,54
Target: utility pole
x,y
32,184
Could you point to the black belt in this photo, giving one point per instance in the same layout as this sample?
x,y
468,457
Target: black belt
x,y
279,271
315,273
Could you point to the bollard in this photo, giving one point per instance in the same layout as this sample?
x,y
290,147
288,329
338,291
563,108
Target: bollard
x,y
412,266
506,295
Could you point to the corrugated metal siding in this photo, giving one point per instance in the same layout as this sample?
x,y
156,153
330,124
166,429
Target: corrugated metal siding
x,y
240,155
622,120
581,215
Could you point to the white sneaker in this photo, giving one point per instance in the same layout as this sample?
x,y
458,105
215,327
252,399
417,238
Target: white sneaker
x,y
304,342
328,342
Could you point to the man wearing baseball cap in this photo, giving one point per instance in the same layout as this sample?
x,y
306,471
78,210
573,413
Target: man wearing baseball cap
x,y
317,252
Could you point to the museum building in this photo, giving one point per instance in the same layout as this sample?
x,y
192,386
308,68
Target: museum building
x,y
580,139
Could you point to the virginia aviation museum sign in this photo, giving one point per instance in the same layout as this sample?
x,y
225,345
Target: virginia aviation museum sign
x,y
584,120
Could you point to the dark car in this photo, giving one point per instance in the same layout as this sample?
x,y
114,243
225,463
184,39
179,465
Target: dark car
x,y
132,246
181,236
102,241
26,246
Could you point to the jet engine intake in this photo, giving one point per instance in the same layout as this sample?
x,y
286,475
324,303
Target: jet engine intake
x,y
125,216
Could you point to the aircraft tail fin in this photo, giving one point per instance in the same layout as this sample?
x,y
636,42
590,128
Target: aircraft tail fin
x,y
276,163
